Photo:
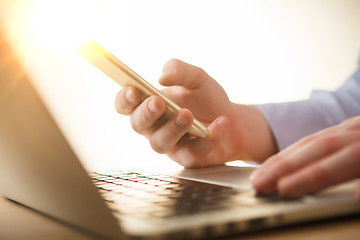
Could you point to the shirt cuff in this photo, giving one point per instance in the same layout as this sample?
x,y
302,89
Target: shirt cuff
x,y
292,121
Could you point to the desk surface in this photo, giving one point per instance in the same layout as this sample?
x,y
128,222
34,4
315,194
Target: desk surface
x,y
18,222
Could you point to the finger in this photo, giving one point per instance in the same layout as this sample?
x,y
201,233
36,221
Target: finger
x,y
127,99
145,116
293,149
328,143
176,72
305,152
259,177
265,177
336,168
197,152
166,137
358,192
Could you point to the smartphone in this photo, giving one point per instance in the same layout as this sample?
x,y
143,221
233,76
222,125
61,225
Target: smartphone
x,y
124,76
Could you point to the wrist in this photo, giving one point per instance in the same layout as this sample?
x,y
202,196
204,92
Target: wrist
x,y
250,136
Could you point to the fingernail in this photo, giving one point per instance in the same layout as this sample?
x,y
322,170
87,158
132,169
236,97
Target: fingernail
x,y
130,96
181,121
152,107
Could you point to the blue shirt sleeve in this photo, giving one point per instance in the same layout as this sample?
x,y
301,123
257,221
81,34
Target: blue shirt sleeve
x,y
292,121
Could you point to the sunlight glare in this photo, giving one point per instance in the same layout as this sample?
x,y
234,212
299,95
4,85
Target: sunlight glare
x,y
61,24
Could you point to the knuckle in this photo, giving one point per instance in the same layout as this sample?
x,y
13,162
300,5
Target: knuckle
x,y
200,73
192,159
173,63
171,130
357,120
329,143
319,175
137,127
282,167
159,148
353,123
354,150
306,140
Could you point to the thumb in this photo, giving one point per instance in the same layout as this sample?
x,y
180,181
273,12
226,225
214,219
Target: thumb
x,y
176,72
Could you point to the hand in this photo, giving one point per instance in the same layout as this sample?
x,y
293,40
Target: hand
x,y
326,158
233,129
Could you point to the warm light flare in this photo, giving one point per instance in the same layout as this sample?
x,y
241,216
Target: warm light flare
x,y
61,24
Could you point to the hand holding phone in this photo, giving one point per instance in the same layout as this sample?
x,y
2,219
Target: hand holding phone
x,y
124,76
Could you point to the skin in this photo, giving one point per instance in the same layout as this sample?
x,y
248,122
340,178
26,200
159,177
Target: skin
x,y
323,159
238,131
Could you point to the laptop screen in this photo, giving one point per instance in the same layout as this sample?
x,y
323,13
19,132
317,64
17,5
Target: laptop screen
x,y
38,168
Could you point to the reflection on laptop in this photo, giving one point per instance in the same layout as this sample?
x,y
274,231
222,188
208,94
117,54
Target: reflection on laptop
x,y
39,169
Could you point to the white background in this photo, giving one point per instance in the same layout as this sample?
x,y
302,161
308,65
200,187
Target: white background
x,y
259,50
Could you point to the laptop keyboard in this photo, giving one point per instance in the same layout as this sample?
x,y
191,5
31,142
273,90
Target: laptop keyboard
x,y
155,195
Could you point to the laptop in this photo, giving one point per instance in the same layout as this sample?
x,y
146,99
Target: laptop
x,y
40,170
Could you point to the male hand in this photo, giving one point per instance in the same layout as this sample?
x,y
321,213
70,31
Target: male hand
x,y
235,131
326,158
